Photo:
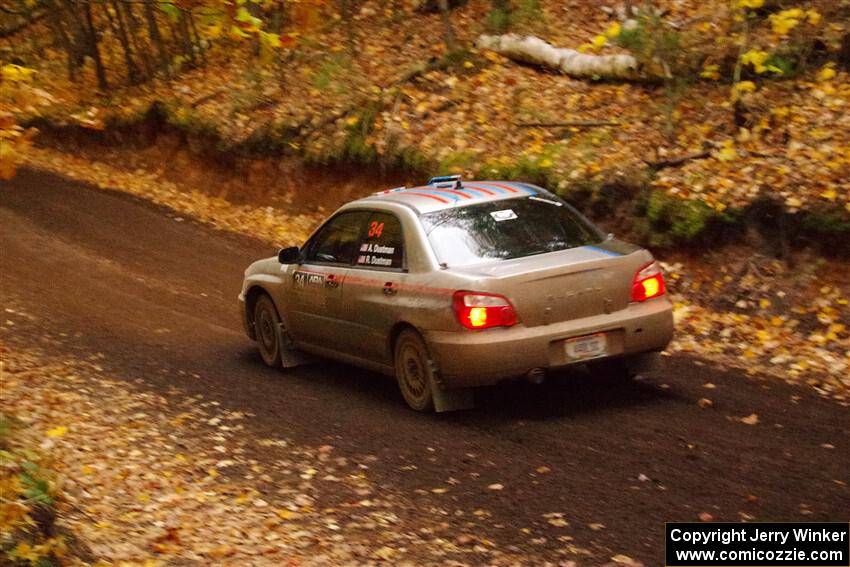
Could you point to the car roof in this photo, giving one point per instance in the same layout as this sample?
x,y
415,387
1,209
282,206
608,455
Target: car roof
x,y
440,194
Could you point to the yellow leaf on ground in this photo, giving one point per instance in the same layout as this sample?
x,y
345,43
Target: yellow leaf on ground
x,y
751,419
385,553
827,73
57,431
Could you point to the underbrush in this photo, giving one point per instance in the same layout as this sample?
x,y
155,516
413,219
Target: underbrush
x,y
653,216
30,497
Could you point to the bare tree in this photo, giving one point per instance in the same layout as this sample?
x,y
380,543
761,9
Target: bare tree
x,y
155,35
448,30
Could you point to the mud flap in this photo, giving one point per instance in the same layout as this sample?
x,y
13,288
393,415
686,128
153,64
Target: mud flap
x,y
290,357
643,363
452,400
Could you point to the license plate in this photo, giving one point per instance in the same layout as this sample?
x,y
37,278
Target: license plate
x,y
590,346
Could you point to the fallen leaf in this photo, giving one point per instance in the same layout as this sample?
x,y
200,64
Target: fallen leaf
x,y
386,553
751,419
57,431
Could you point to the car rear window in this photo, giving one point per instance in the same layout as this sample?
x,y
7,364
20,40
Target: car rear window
x,y
501,230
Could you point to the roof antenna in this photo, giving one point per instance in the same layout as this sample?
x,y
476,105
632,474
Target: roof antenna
x,y
446,181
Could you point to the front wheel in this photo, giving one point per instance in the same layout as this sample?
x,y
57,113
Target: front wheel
x,y
266,329
414,371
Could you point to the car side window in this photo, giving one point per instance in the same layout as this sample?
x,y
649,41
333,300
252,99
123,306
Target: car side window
x,y
337,241
382,244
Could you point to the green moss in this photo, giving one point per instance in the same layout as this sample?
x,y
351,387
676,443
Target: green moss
x,y
674,221
498,21
826,221
457,162
412,160
188,121
271,140
329,74
536,169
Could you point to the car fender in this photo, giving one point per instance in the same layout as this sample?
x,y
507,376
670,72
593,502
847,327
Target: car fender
x,y
265,275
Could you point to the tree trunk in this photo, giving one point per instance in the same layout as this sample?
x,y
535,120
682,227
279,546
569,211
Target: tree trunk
x,y
534,50
500,15
347,8
155,36
133,27
117,22
78,27
55,21
844,52
188,46
197,38
448,30
94,49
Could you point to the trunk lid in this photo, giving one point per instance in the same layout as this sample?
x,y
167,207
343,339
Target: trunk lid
x,y
560,286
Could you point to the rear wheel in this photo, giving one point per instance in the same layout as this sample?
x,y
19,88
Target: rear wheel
x,y
414,371
266,326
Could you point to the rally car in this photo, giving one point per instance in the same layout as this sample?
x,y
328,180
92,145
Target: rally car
x,y
456,284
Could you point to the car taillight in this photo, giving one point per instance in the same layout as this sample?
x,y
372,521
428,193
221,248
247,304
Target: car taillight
x,y
475,310
648,283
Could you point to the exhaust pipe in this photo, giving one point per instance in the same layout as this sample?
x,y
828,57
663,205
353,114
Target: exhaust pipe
x,y
536,375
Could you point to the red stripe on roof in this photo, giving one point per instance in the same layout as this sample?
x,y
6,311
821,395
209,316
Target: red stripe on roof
x,y
449,191
440,199
482,189
503,186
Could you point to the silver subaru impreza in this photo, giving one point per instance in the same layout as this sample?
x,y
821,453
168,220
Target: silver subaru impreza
x,y
459,284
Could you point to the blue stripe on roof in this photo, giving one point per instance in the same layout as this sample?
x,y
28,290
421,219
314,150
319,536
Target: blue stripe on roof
x,y
603,250
471,190
490,187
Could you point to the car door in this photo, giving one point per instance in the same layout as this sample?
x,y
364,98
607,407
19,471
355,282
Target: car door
x,y
317,314
375,292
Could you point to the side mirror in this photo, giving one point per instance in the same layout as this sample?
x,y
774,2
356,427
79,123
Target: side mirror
x,y
288,255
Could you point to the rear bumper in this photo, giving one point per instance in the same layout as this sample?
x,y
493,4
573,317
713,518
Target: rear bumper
x,y
480,358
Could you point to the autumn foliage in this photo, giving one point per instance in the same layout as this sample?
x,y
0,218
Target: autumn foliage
x,y
725,103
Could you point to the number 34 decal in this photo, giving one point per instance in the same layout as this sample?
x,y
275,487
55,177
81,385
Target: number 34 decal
x,y
375,229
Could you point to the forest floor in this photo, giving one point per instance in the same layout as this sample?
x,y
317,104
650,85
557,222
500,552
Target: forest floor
x,y
328,99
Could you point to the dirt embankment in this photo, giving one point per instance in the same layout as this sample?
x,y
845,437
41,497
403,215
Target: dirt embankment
x,y
241,175
261,172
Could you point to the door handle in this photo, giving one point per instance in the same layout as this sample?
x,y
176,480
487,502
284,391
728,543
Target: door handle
x,y
331,281
390,289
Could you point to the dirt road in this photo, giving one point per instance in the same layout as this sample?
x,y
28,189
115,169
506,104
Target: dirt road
x,y
101,272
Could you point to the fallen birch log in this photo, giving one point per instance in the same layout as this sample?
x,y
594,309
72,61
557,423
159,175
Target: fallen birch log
x,y
530,49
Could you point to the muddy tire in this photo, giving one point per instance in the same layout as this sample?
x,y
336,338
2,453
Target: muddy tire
x,y
414,371
266,325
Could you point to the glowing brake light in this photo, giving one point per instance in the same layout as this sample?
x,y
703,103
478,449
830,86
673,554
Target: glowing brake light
x,y
648,283
476,310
